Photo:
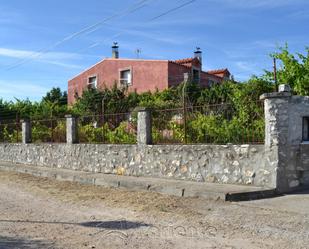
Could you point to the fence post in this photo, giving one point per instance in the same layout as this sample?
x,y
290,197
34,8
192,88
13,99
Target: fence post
x,y
184,104
71,131
26,131
144,126
276,135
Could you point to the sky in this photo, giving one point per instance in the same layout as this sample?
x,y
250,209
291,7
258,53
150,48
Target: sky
x,y
43,44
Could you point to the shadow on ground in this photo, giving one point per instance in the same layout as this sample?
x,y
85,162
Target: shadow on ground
x,y
115,225
19,243
108,229
300,191
108,225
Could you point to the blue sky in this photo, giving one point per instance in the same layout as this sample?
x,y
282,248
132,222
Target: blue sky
x,y
38,53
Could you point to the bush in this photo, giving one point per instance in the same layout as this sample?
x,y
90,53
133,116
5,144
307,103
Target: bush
x,y
41,133
10,134
90,134
121,135
217,129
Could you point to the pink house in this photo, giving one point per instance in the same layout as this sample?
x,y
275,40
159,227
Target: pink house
x,y
143,75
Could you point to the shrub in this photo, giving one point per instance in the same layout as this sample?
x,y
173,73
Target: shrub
x,y
121,134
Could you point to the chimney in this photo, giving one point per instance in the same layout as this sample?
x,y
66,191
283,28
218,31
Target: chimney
x,y
198,54
115,51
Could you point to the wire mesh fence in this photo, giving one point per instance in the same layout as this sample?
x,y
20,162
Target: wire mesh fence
x,y
168,126
120,128
10,131
204,124
210,124
49,130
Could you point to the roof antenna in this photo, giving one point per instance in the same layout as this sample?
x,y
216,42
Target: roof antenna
x,y
138,52
275,73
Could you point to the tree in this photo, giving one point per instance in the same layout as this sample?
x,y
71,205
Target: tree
x,y
55,95
294,70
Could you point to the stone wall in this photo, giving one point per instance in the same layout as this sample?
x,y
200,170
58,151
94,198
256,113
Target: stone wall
x,y
285,148
282,163
237,164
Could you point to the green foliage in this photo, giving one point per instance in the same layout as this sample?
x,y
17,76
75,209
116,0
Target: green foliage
x,y
90,134
56,96
219,130
41,133
294,70
50,131
95,101
177,130
10,133
59,132
120,135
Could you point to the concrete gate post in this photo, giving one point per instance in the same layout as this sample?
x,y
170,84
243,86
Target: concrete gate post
x,y
26,131
276,135
144,126
71,129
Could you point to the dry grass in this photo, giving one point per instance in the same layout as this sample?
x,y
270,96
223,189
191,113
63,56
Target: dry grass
x,y
149,202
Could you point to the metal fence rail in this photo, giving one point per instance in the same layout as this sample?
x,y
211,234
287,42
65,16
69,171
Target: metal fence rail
x,y
117,128
49,130
209,124
204,124
10,131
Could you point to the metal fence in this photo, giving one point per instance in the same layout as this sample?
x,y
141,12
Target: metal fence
x,y
117,128
210,124
49,130
10,131
205,124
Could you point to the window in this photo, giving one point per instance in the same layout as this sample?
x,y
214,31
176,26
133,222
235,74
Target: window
x,y
211,83
306,129
92,82
196,75
126,77
76,96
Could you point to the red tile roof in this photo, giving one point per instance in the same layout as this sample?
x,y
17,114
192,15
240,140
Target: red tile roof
x,y
182,65
215,73
219,71
185,61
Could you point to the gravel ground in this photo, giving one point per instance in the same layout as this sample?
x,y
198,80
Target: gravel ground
x,y
43,213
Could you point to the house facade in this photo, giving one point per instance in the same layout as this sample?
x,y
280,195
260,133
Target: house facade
x,y
143,75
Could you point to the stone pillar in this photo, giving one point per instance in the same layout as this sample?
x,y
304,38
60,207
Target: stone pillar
x,y
26,131
71,132
276,136
144,126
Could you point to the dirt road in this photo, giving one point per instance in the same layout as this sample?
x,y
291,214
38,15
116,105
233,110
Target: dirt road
x,y
42,213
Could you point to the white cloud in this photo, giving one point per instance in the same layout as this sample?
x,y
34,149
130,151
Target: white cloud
x,y
144,32
65,65
11,89
54,58
20,54
245,66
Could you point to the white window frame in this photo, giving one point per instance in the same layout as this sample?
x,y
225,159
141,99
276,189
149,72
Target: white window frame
x,y
125,82
92,85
